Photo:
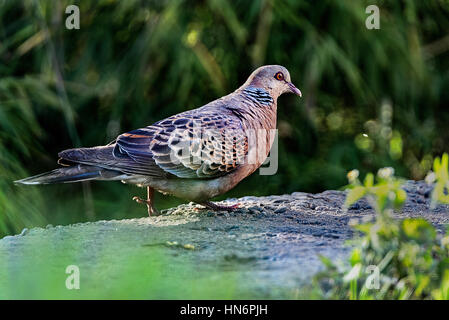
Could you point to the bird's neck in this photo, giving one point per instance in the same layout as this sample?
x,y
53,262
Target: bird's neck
x,y
259,96
257,108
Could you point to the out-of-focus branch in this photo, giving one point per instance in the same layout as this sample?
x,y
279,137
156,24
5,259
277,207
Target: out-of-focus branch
x,y
263,33
207,60
436,48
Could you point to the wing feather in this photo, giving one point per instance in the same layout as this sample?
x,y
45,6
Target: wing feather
x,y
187,145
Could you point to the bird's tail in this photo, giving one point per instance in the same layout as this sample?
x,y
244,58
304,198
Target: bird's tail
x,y
73,173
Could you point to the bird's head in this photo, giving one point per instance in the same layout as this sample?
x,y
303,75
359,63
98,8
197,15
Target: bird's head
x,y
273,78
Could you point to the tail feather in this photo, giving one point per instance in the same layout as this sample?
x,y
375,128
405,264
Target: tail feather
x,y
74,173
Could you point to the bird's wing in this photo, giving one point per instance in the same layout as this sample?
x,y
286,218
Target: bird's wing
x,y
187,145
104,157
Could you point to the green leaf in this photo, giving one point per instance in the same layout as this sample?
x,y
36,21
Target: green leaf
x,y
356,257
400,198
418,229
327,262
354,273
369,180
354,195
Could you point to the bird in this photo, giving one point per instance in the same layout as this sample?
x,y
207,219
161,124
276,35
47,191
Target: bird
x,y
195,155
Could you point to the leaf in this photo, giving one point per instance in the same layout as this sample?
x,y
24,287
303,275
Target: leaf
x,y
418,229
354,273
327,262
356,257
365,227
369,180
354,195
444,161
400,198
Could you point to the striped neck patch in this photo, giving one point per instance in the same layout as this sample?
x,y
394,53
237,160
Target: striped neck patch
x,y
258,95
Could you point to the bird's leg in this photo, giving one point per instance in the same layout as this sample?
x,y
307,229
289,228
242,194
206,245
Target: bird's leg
x,y
152,211
217,207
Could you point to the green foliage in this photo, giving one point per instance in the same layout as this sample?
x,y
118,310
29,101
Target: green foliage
x,y
411,260
440,177
386,193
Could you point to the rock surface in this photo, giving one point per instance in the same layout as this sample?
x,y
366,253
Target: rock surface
x,y
271,244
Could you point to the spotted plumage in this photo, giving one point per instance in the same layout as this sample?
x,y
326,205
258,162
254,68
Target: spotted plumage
x,y
194,155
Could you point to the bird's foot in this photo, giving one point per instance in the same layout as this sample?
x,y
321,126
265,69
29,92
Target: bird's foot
x,y
218,207
152,211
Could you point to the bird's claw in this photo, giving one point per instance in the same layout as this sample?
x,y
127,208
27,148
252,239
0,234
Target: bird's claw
x,y
140,200
152,211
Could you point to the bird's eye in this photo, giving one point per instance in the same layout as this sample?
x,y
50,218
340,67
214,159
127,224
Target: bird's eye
x,y
279,76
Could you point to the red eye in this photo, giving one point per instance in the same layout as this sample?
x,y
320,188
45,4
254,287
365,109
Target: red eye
x,y
279,76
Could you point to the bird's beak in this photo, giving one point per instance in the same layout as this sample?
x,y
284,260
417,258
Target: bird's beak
x,y
294,90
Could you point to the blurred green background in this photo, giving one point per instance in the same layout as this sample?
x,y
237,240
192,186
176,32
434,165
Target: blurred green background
x,y
371,98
